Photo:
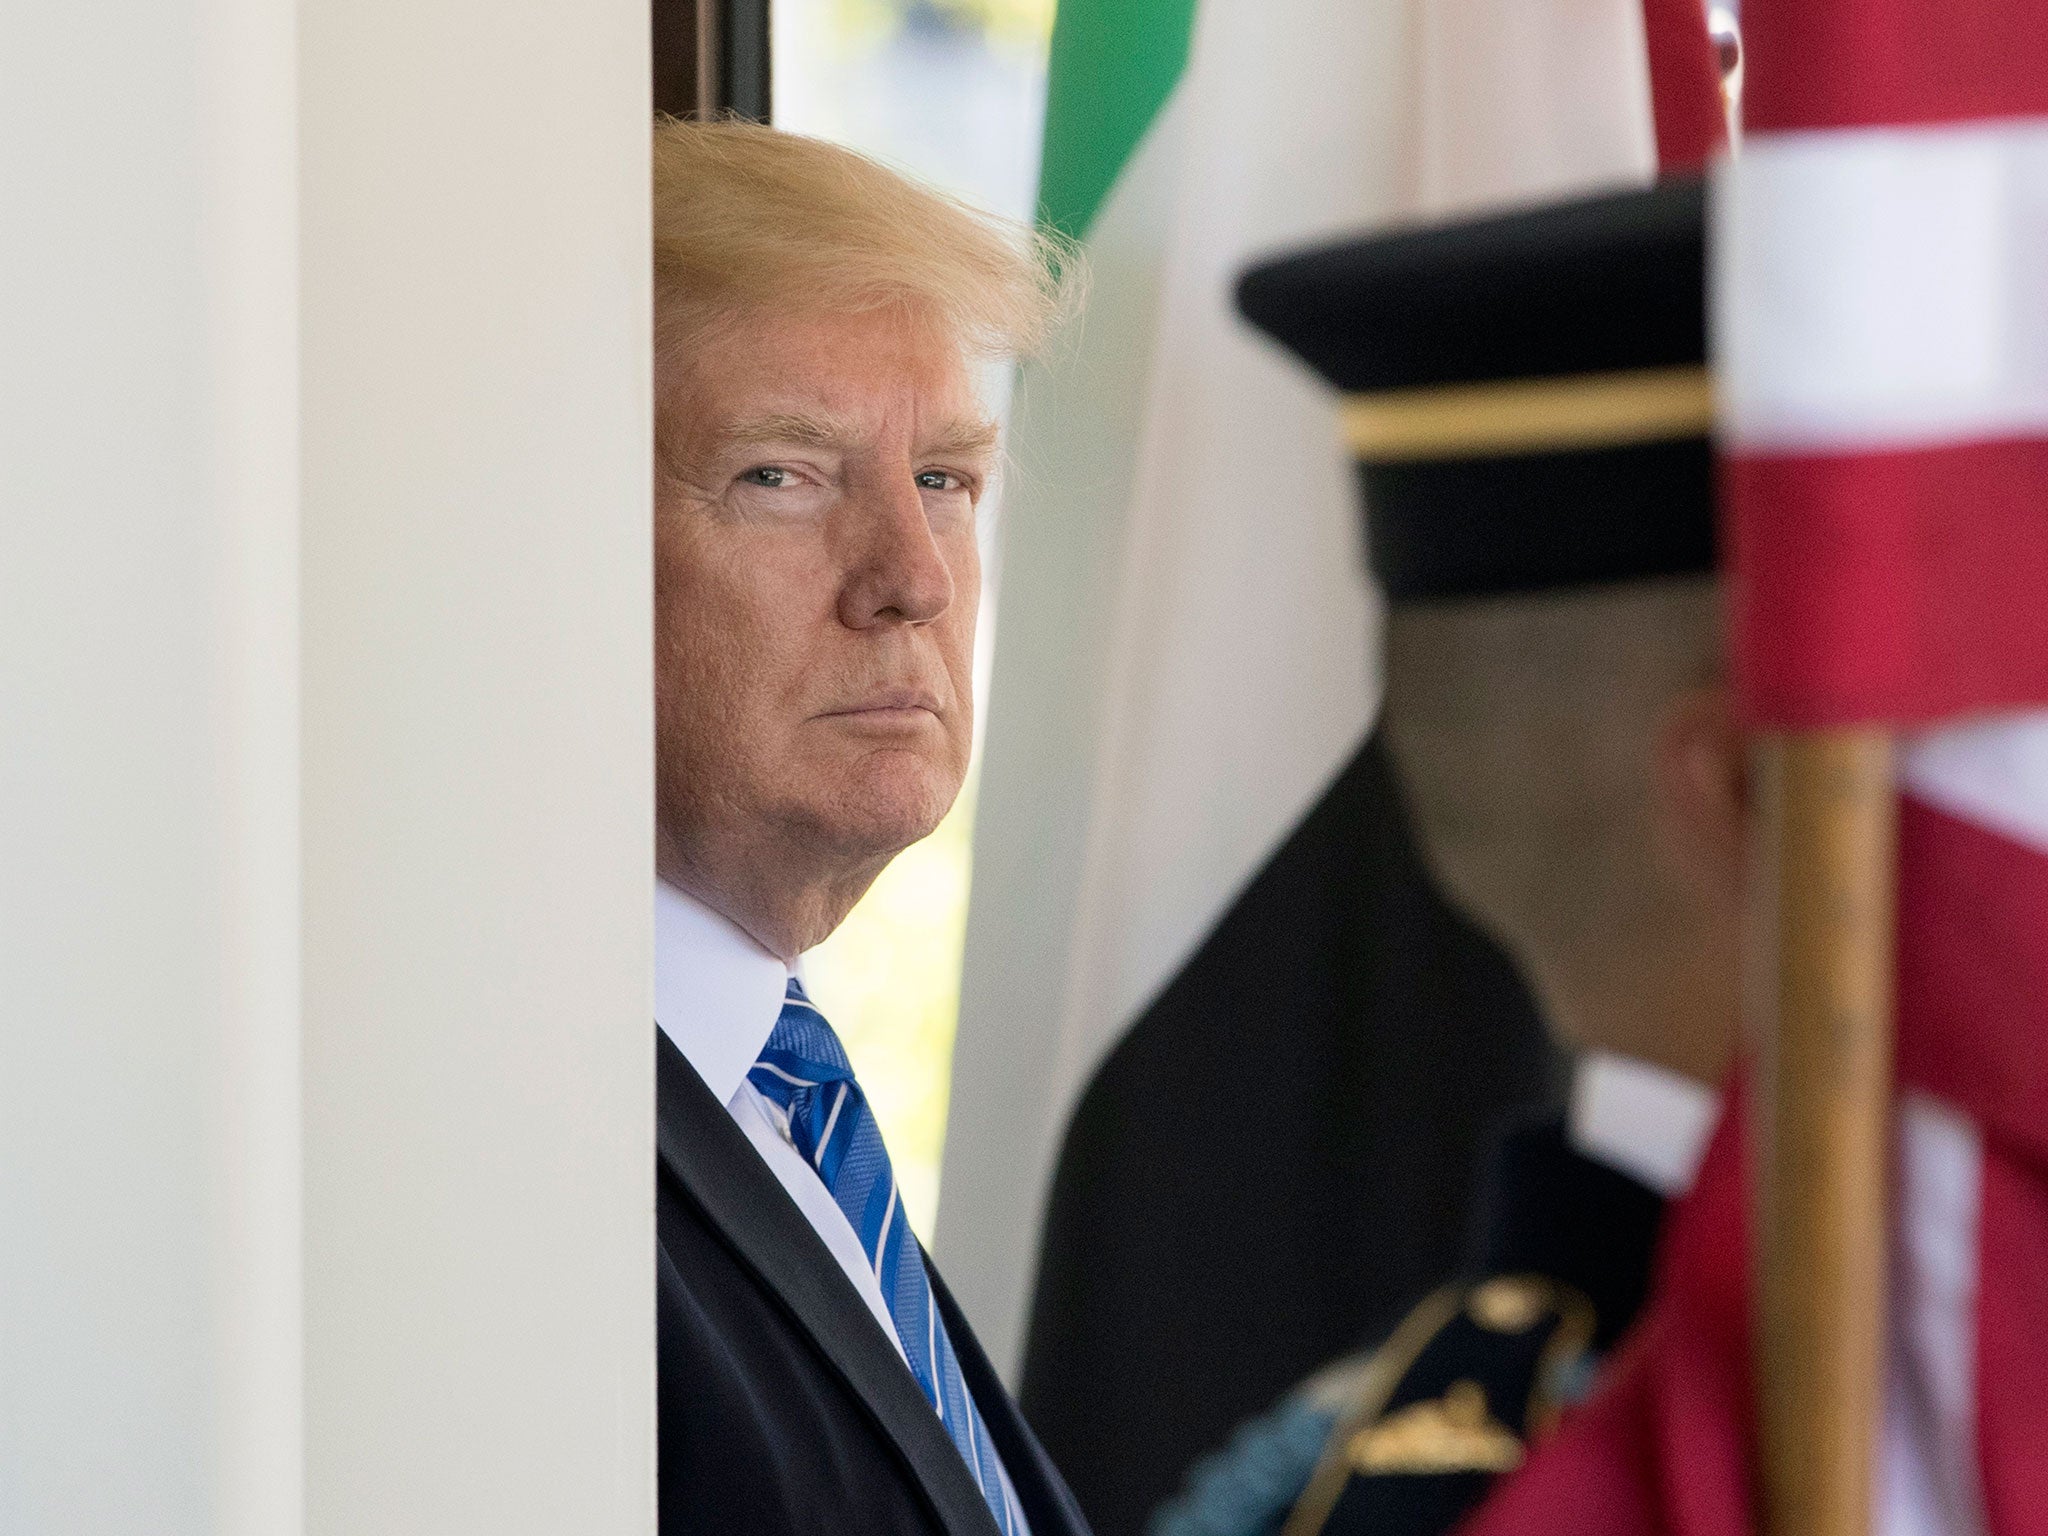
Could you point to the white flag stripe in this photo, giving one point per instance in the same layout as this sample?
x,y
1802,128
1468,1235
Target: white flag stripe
x,y
1929,1466
1881,287
1992,771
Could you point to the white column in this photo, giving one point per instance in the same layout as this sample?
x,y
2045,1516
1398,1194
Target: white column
x,y
149,1189
325,1029
478,806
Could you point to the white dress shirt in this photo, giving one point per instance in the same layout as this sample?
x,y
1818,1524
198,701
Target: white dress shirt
x,y
1647,1122
717,995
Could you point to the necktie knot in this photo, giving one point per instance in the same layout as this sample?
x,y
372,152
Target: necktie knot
x,y
802,1053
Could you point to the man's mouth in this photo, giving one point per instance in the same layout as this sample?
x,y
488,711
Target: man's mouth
x,y
889,706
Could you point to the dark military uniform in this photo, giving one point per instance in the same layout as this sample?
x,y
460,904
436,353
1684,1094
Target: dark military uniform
x,y
1484,1366
1402,1441
1527,400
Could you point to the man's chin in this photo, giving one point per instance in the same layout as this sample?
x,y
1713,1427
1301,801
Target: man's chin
x,y
879,804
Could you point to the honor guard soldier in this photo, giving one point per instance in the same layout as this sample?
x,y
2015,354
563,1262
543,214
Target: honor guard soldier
x,y
1527,401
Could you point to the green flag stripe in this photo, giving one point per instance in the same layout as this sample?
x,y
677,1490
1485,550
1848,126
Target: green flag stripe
x,y
1113,64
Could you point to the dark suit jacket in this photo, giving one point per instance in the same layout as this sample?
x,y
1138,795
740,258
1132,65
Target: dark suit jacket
x,y
784,1406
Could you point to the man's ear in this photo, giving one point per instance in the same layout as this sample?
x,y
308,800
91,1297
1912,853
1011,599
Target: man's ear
x,y
1701,771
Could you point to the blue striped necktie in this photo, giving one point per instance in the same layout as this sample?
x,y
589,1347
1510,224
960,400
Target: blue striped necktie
x,y
804,1072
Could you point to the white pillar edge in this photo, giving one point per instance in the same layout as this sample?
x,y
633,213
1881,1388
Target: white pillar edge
x,y
478,766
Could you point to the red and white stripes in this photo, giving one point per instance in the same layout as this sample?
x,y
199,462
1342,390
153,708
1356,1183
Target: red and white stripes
x,y
1929,1481
1880,329
1973,1005
1880,335
1880,314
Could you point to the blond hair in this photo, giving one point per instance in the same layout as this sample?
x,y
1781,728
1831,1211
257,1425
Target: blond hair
x,y
750,218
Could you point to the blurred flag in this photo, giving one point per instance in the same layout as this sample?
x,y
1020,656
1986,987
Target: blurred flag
x,y
1882,320
1190,882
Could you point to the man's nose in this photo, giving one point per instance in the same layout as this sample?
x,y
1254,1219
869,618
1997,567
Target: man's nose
x,y
897,572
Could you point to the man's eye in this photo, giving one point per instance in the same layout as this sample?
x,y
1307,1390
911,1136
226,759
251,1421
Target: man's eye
x,y
767,475
937,480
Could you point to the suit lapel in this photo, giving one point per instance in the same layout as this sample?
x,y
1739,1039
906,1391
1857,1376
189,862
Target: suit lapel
x,y
721,1173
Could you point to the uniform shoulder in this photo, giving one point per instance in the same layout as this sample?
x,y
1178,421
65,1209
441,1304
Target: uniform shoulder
x,y
1446,1405
1448,1398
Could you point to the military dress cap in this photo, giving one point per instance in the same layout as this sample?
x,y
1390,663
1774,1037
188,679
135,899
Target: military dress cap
x,y
1526,394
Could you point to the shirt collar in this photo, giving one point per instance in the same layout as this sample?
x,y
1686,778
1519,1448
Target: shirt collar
x,y
1647,1122
717,994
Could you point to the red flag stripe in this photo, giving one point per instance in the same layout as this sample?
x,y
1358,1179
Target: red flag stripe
x,y
1904,586
1847,63
1685,85
2012,1349
1973,974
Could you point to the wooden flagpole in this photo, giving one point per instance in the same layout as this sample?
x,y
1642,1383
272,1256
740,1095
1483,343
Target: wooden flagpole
x,y
1821,983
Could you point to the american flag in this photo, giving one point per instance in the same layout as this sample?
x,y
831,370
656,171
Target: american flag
x,y
1881,348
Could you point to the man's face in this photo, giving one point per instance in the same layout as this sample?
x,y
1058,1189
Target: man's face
x,y
816,582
